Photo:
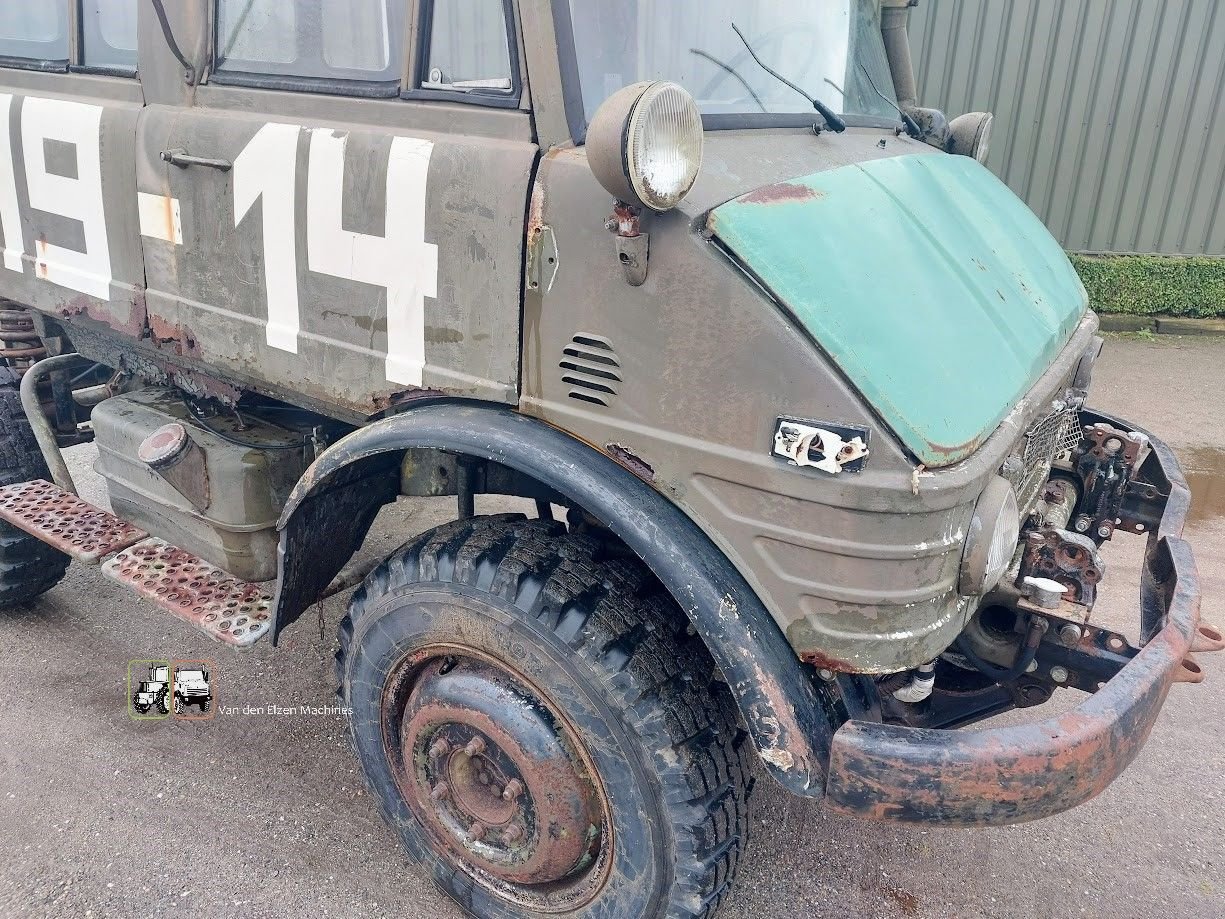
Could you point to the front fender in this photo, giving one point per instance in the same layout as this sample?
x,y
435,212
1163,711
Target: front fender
x,y
332,507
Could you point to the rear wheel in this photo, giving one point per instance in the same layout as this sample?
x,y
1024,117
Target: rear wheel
x,y
28,566
540,728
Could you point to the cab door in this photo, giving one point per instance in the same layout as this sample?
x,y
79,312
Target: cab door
x,y
344,202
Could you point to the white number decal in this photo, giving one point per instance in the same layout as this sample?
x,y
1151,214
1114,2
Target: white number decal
x,y
78,197
401,261
267,169
10,211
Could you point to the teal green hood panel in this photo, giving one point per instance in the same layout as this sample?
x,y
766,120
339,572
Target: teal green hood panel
x,y
932,286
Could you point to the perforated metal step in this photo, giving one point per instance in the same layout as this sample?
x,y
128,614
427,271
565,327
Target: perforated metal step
x,y
64,521
223,607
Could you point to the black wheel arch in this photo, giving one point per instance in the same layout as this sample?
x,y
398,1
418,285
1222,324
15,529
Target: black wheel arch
x,y
331,509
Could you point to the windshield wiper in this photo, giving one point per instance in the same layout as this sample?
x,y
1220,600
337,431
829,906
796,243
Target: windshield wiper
x,y
832,119
731,70
912,126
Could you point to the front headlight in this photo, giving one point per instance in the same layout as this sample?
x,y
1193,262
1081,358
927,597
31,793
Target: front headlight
x,y
644,145
992,541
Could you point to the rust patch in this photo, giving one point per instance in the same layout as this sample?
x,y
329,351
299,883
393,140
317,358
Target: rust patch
x,y
631,461
781,193
823,661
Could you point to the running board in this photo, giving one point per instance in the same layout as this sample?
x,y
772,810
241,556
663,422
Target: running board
x,y
224,608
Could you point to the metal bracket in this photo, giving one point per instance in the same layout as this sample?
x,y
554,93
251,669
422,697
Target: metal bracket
x,y
633,245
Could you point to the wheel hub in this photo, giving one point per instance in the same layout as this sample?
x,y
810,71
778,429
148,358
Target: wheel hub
x,y
493,776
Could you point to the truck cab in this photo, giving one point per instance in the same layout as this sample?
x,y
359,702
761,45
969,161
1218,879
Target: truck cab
x,y
794,394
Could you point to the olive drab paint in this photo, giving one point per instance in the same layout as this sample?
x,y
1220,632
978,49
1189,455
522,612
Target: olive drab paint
x,y
73,190
264,173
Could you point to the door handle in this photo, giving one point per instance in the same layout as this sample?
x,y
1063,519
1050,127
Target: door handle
x,y
181,158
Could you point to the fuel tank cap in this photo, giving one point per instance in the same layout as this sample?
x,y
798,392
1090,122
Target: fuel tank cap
x,y
164,446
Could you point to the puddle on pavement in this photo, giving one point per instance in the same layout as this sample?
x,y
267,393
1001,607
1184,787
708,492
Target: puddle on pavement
x,y
1204,468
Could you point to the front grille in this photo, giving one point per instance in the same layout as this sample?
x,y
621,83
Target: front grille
x,y
1054,435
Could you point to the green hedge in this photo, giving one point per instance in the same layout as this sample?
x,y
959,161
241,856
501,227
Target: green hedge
x,y
1149,285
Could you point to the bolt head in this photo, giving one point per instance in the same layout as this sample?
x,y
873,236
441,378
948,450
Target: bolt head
x,y
827,675
513,789
476,746
1082,524
1059,674
1103,531
1070,634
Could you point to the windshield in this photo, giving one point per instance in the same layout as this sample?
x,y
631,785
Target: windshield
x,y
191,676
831,48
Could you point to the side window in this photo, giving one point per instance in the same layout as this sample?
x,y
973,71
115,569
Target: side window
x,y
468,48
35,32
311,40
108,34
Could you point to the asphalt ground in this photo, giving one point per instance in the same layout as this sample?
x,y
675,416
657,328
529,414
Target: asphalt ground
x,y
266,814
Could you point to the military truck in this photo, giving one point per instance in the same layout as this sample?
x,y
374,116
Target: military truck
x,y
793,390
153,692
191,688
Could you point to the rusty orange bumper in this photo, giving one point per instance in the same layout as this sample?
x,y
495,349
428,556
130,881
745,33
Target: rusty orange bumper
x,y
1024,772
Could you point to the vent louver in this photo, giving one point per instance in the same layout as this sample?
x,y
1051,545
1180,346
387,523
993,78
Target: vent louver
x,y
591,368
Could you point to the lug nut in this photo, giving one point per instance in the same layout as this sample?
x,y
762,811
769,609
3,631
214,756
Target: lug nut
x,y
1070,634
512,833
1059,674
476,746
513,789
440,747
476,832
439,791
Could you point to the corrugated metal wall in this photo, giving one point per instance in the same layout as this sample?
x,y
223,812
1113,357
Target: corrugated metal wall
x,y
1110,114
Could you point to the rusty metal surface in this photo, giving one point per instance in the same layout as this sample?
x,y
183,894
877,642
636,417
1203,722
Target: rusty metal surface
x,y
66,522
1069,558
493,773
497,777
1018,773
224,608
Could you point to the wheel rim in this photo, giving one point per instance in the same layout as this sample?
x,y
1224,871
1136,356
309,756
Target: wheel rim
x,y
498,778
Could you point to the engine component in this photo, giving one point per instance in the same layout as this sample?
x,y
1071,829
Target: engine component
x,y
157,458
1056,504
1068,558
1105,461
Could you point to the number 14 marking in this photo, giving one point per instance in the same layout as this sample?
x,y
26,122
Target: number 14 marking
x,y
400,261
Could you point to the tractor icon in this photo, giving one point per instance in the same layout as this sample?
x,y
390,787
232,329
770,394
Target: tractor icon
x,y
153,692
191,688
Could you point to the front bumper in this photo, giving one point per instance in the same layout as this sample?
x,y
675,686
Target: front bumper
x,y
1025,772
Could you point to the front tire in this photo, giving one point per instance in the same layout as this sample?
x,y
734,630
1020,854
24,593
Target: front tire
x,y
28,566
502,653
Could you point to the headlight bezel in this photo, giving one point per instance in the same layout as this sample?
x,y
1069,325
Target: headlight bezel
x,y
619,149
995,529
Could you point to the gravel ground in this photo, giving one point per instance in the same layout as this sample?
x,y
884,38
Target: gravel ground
x,y
266,814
